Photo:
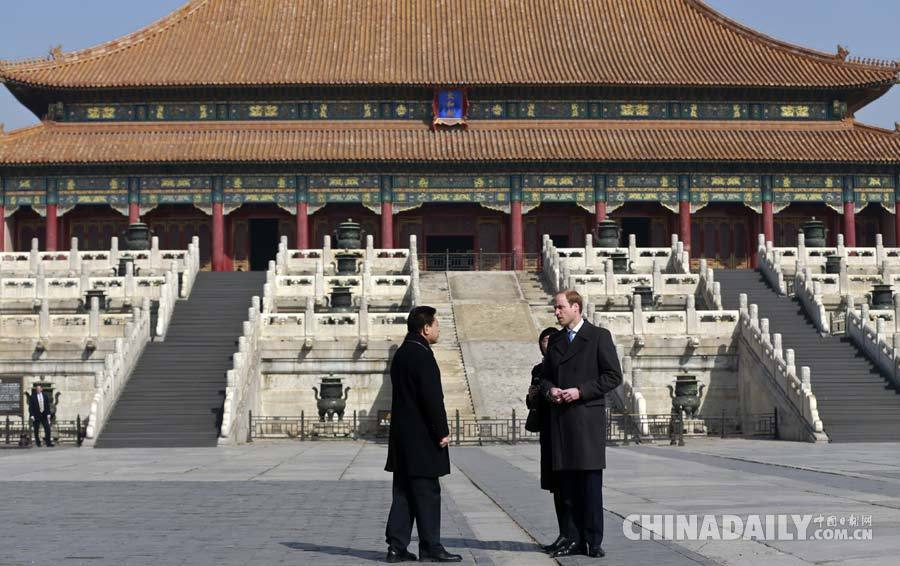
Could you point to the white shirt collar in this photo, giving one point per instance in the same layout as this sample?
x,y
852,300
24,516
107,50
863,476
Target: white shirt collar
x,y
578,326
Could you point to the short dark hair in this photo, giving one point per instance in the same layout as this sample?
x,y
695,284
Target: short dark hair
x,y
419,318
549,331
573,297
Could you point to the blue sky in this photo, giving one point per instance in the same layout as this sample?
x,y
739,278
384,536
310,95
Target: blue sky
x,y
28,28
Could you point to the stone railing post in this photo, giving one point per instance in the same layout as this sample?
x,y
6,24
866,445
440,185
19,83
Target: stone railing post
x,y
363,323
844,278
609,278
589,257
319,290
637,315
414,286
657,278
74,257
805,380
40,283
114,251
691,319
155,256
879,251
789,361
129,281
370,248
764,331
777,348
801,251
94,319
34,257
44,320
309,322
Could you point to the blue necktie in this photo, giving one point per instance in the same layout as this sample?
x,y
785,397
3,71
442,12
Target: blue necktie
x,y
571,336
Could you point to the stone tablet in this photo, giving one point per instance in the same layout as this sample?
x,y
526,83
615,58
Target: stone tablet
x,y
10,396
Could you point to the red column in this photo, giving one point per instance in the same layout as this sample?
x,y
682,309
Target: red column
x,y
302,227
600,214
768,222
51,224
684,224
134,213
387,225
515,232
218,237
850,225
2,227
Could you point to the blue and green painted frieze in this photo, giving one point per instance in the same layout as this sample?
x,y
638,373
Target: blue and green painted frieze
x,y
493,190
421,189
324,110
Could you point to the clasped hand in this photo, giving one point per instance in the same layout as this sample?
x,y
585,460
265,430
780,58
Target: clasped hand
x,y
569,395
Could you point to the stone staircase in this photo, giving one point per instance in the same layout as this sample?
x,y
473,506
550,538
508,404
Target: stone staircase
x,y
539,298
176,391
435,292
855,402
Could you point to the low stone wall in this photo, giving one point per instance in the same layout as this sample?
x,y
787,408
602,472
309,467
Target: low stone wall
x,y
117,368
242,391
102,263
768,377
590,259
288,376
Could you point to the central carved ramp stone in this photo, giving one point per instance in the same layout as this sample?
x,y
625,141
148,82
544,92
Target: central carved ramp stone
x,y
498,340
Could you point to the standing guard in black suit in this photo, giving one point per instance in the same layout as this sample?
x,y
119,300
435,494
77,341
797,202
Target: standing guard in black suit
x,y
39,414
580,368
417,446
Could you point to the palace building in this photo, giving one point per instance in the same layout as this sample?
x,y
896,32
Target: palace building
x,y
476,125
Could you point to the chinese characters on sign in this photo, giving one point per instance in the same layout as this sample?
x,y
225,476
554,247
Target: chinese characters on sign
x,y
450,107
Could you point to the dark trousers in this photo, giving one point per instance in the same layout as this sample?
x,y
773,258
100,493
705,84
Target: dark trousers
x,y
583,490
563,507
415,499
37,427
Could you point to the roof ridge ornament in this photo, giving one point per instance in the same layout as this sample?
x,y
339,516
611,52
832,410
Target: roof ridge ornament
x,y
897,127
842,52
56,52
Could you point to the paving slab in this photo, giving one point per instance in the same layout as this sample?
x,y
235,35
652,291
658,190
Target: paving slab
x,y
747,477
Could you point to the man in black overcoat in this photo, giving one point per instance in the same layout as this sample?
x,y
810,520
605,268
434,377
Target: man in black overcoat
x,y
580,367
417,446
39,414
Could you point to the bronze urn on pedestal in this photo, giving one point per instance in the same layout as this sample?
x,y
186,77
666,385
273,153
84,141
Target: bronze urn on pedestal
x,y
686,394
331,402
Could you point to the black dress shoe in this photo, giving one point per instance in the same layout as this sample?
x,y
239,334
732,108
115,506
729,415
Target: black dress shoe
x,y
554,545
397,556
568,548
594,551
438,555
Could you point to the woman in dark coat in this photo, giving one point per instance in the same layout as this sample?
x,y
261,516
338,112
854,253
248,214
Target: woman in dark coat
x,y
549,479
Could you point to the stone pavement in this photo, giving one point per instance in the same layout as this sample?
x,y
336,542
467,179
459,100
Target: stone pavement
x,y
260,504
741,477
325,503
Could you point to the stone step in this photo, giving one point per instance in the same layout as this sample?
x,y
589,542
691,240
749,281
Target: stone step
x,y
174,404
854,400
